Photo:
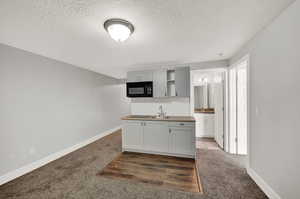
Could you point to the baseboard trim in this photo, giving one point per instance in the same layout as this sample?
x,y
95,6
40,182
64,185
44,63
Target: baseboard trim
x,y
262,184
39,163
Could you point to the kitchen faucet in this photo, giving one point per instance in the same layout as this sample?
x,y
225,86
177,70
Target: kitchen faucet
x,y
161,113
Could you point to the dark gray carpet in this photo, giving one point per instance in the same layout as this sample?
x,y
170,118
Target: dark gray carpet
x,y
223,176
74,177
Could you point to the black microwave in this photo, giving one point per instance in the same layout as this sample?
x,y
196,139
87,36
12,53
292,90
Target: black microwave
x,y
139,89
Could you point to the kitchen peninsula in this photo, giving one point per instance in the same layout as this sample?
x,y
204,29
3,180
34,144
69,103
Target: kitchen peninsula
x,y
168,135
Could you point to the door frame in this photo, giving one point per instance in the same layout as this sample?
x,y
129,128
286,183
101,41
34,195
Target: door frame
x,y
224,70
234,64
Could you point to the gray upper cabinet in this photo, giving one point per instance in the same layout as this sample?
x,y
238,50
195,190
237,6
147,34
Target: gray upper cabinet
x,y
182,82
140,76
166,83
160,83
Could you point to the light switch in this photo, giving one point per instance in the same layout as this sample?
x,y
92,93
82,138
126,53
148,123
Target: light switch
x,y
256,111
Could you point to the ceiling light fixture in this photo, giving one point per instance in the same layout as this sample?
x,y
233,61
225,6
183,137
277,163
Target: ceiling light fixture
x,y
118,29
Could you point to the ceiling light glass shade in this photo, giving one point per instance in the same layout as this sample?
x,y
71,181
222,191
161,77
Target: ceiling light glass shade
x,y
118,29
119,32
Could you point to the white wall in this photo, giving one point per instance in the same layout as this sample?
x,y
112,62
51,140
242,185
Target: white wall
x,y
275,104
47,106
173,106
209,65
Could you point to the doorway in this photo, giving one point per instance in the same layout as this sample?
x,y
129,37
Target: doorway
x,y
207,103
238,107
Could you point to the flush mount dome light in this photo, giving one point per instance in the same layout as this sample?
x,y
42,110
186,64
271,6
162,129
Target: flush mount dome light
x,y
118,29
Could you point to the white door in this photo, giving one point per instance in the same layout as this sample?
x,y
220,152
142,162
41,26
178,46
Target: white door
x,y
238,108
132,135
219,113
242,110
182,82
160,83
156,137
232,111
182,140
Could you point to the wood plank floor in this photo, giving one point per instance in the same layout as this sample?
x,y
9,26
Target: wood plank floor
x,y
163,171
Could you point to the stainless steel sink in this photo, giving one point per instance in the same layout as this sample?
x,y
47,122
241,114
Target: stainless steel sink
x,y
157,117
141,116
148,117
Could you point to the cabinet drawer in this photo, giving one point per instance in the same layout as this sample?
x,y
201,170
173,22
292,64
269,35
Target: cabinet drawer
x,y
182,124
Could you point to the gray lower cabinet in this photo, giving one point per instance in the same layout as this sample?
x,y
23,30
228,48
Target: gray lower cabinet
x,y
132,135
156,137
183,140
167,138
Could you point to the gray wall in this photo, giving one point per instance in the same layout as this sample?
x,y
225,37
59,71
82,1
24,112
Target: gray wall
x,y
209,65
47,106
275,103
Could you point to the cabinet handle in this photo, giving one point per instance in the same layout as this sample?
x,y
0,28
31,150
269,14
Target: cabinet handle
x,y
176,93
182,124
144,123
169,130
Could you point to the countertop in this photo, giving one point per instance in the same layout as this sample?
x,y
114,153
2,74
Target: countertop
x,y
202,110
154,118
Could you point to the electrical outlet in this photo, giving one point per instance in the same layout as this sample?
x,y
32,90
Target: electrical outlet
x,y
257,111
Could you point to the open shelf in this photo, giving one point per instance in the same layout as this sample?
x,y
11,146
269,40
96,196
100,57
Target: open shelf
x,y
171,91
171,75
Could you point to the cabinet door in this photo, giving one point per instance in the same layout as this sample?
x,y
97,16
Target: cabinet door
x,y
182,140
132,135
200,132
209,126
156,137
160,83
182,82
140,76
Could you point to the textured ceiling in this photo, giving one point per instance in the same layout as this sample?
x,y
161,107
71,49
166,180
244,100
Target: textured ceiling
x,y
166,31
